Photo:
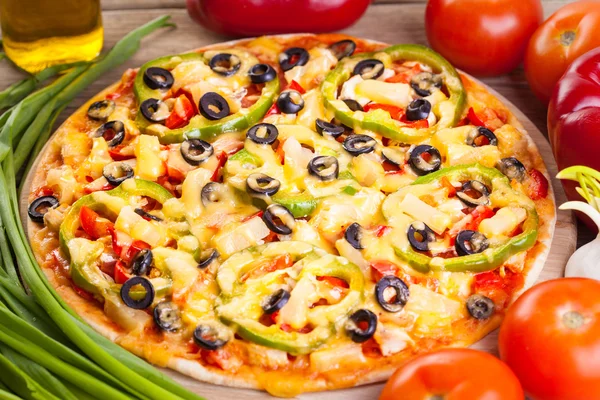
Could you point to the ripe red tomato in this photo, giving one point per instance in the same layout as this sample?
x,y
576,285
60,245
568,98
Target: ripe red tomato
x,y
453,374
482,37
551,339
568,33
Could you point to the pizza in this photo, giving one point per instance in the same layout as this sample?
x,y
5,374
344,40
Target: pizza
x,y
291,213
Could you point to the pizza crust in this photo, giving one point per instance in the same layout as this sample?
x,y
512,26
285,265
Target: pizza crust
x,y
245,378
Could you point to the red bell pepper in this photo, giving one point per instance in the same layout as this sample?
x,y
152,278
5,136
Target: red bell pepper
x,y
182,112
261,17
93,224
574,119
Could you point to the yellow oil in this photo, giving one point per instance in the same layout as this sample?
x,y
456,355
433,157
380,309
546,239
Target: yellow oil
x,y
39,33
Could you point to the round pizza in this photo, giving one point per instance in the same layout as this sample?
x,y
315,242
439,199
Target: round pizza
x,y
291,213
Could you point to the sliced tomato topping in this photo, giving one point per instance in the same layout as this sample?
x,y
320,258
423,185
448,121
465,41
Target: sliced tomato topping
x,y
379,269
280,262
280,153
404,76
182,112
479,214
222,157
121,152
382,230
396,112
94,225
333,281
125,85
497,285
134,249
273,110
474,118
487,117
83,293
44,191
296,86
446,183
121,274
537,185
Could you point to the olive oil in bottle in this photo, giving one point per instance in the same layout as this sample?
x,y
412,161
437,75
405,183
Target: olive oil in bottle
x,y
40,33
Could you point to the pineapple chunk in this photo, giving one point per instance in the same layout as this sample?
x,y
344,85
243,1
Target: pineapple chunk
x,y
95,162
419,210
434,311
330,359
366,170
242,236
137,227
149,163
191,192
396,94
504,222
75,147
63,179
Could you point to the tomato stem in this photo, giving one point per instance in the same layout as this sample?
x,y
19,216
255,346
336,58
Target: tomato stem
x,y
567,38
573,320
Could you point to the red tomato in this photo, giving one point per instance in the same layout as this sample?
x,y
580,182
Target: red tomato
x,y
551,339
260,17
482,37
453,374
574,118
121,274
537,185
396,112
379,269
182,111
568,33
93,224
333,281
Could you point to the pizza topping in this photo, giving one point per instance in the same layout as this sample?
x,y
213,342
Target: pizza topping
x,y
292,57
196,151
158,78
512,168
420,235
40,206
213,192
209,337
474,193
142,262
146,215
290,102
359,144
113,132
326,168
117,172
353,105
481,136
343,48
275,301
279,219
425,159
391,293
480,307
328,128
369,69
225,64
154,110
353,235
262,73
167,316
135,298
100,110
213,106
393,155
425,83
362,325
263,133
418,109
470,242
259,185
207,257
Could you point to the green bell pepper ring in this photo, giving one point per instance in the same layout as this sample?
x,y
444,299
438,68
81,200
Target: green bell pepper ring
x,y
380,121
501,195
240,302
198,126
84,273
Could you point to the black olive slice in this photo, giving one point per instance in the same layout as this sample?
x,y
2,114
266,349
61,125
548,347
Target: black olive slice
x,y
512,168
290,102
418,109
113,132
470,242
359,144
117,172
492,140
145,214
275,301
369,69
207,257
393,155
421,166
167,317
279,219
142,303
213,106
225,64
480,307
101,110
425,236
395,302
154,110
40,206
260,185
293,57
212,192
142,262
326,168
158,78
425,83
329,128
208,338
353,105
474,193
196,151
263,133
353,235
358,318
262,73
343,48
